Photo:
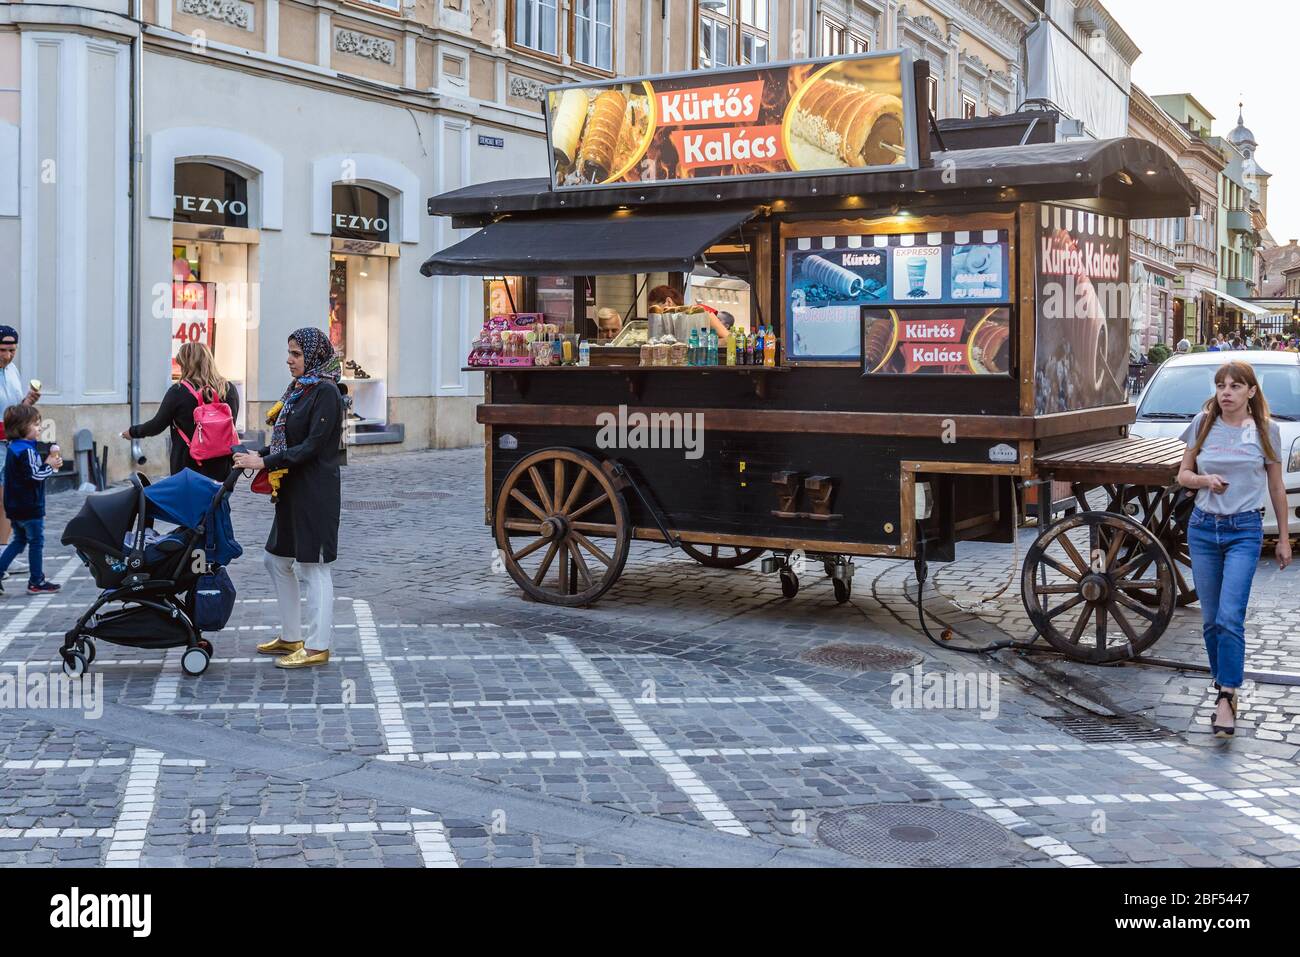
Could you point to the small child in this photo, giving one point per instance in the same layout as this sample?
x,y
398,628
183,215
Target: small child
x,y
24,495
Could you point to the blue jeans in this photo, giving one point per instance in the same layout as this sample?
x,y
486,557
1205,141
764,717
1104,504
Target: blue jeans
x,y
1225,552
30,534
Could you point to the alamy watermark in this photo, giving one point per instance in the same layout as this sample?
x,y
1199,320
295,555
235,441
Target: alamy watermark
x,y
974,690
40,690
651,430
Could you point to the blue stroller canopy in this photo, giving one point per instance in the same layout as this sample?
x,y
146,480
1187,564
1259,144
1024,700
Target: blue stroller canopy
x,y
188,499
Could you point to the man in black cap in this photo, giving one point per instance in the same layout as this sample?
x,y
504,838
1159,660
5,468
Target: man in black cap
x,y
13,391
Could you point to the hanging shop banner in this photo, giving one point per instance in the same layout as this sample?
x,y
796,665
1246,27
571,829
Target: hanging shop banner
x,y
1083,310
192,313
840,115
829,279
940,340
209,195
357,212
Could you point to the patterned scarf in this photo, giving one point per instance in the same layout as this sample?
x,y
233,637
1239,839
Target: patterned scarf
x,y
320,364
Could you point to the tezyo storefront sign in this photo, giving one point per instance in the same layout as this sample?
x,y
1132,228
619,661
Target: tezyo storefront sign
x,y
209,195
359,213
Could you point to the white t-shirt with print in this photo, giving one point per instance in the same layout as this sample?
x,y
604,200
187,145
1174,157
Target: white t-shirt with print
x,y
1235,454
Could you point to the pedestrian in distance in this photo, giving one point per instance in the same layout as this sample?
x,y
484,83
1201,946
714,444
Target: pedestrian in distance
x,y
200,383
307,425
24,495
13,391
1233,462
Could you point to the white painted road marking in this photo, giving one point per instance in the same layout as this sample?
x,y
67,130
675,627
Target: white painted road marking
x,y
137,808
701,795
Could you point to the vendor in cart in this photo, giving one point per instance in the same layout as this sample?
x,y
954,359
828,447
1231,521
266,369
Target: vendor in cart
x,y
669,297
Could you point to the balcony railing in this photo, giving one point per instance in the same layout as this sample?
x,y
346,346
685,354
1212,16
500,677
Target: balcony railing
x,y
1239,220
1190,253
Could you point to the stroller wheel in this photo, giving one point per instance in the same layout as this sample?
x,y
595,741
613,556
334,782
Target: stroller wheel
x,y
74,664
87,648
195,661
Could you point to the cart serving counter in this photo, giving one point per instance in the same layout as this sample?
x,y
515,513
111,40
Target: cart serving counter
x,y
951,332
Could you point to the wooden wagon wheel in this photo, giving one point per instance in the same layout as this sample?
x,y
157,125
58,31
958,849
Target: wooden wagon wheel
x,y
721,556
557,500
1071,588
1164,511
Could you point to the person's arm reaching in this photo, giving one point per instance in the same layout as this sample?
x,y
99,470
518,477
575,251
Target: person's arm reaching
x,y
161,420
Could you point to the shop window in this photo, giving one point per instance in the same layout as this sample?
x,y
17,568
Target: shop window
x,y
732,32
536,25
593,33
211,259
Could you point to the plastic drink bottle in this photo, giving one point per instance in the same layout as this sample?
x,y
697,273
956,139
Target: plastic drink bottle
x,y
584,353
731,349
769,349
712,358
693,349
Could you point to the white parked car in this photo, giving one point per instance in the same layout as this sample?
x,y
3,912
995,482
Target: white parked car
x,y
1181,385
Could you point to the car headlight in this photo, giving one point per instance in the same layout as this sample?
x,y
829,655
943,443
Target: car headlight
x,y
1293,462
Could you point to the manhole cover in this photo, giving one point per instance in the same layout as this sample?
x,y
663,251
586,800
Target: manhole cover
x,y
422,493
1109,730
915,835
861,657
372,505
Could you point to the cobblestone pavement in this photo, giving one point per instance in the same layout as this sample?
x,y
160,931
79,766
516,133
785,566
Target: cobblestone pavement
x,y
675,722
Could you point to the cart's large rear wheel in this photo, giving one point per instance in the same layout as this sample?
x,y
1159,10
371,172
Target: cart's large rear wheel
x,y
550,508
1080,581
721,556
1163,511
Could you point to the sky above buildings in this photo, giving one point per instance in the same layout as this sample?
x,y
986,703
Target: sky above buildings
x,y
1221,53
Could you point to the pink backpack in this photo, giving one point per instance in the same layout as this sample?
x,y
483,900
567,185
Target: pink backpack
x,y
214,428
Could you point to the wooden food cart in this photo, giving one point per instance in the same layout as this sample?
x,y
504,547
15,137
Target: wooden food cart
x,y
963,349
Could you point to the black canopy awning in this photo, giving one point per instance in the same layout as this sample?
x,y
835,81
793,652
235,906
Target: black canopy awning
x,y
616,242
1135,173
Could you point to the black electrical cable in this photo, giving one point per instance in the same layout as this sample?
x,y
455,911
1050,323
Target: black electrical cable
x,y
922,572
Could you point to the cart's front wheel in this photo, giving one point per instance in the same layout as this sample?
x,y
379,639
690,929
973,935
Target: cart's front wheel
x,y
551,506
721,556
1080,583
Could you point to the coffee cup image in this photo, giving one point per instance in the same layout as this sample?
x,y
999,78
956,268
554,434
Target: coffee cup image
x,y
840,281
916,274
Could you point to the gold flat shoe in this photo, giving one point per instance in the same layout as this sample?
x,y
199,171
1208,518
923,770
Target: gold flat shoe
x,y
278,646
300,659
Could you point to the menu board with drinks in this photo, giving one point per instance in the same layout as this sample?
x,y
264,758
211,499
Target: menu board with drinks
x,y
830,279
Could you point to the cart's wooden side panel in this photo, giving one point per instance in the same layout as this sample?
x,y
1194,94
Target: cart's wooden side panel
x,y
727,493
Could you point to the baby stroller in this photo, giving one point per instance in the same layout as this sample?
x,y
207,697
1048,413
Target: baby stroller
x,y
169,589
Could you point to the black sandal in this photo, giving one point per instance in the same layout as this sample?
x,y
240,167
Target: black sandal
x,y
1221,731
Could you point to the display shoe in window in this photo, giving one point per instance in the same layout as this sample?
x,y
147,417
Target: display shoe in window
x,y
357,371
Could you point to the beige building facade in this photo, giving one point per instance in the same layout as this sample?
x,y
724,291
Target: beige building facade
x,y
227,171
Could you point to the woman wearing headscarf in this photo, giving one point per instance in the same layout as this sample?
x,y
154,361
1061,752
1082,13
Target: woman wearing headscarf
x,y
303,464
13,391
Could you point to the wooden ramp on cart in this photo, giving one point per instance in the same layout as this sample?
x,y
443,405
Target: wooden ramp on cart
x,y
1128,461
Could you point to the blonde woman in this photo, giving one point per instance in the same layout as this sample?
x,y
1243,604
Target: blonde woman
x,y
198,375
1234,462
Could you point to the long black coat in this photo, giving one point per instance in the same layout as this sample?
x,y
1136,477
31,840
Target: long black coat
x,y
177,411
306,524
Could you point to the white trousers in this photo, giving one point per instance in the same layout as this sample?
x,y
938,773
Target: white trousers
x,y
319,625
